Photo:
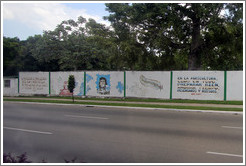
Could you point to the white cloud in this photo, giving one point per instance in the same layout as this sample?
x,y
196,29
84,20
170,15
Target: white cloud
x,y
44,16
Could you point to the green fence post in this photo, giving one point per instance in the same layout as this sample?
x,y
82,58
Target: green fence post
x,y
124,84
84,83
49,83
225,84
18,83
171,85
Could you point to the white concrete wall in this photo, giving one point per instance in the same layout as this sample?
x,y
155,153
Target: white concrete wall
x,y
235,85
149,84
13,89
114,81
59,83
34,83
198,85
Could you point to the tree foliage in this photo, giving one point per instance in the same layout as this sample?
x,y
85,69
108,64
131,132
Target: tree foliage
x,y
185,32
71,84
11,58
142,36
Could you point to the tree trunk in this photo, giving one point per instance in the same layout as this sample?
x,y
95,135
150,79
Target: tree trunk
x,y
194,60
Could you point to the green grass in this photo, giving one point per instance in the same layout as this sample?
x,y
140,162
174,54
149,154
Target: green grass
x,y
148,100
130,105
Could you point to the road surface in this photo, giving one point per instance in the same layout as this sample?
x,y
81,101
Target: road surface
x,y
54,133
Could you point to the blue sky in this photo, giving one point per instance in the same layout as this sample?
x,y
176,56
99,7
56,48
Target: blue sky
x,y
24,19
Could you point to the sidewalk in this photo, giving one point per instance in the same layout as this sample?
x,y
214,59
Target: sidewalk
x,y
135,102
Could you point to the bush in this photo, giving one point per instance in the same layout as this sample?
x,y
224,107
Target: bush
x,y
8,158
71,85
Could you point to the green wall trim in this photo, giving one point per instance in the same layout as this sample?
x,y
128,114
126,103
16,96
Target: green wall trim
x,y
49,83
18,82
124,83
225,84
84,83
171,85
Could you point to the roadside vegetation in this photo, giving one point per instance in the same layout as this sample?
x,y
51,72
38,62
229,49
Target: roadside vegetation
x,y
23,158
133,103
138,100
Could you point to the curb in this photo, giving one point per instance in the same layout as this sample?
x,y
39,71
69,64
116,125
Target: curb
x,y
167,109
127,107
140,102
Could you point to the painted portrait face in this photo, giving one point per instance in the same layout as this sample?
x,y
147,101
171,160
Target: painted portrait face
x,y
102,82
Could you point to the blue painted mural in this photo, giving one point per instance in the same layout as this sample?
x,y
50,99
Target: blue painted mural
x,y
103,84
120,87
81,89
88,88
88,78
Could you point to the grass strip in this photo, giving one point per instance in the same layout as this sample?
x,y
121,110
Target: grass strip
x,y
130,105
146,100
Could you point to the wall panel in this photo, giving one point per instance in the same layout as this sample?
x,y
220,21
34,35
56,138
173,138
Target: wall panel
x,y
59,83
105,83
234,85
149,84
34,83
198,85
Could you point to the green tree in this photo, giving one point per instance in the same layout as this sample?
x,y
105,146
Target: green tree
x,y
35,54
224,49
79,45
175,32
102,47
11,56
71,84
130,53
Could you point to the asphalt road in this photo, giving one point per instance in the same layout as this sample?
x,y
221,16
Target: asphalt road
x,y
119,135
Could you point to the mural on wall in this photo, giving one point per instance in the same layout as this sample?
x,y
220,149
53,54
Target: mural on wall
x,y
120,87
81,89
103,84
65,91
197,85
59,83
62,86
82,85
34,83
136,89
89,78
150,83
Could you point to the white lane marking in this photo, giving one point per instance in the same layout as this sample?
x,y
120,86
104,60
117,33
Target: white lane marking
x,y
26,130
225,154
231,127
88,117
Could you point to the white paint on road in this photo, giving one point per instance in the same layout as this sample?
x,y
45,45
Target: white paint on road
x,y
225,154
87,117
231,127
26,130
